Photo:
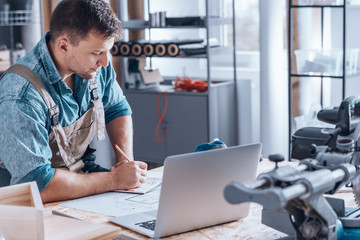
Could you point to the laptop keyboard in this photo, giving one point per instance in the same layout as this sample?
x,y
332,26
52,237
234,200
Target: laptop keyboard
x,y
147,224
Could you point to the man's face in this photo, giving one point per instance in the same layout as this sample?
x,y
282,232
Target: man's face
x,y
89,55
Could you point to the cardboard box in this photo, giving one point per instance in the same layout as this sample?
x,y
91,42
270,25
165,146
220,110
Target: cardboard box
x,y
4,55
17,55
22,212
326,61
4,65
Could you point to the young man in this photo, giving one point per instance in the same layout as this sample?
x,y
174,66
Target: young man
x,y
52,108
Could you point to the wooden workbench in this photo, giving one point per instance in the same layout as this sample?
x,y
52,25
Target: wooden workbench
x,y
245,229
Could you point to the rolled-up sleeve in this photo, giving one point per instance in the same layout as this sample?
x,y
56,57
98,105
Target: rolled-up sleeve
x,y
120,109
41,175
115,103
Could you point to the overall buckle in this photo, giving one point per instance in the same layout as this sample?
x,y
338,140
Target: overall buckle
x,y
94,94
54,117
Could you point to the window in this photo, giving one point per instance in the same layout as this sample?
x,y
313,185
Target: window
x,y
247,25
247,34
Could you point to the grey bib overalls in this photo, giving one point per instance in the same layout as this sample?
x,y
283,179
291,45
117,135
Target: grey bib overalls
x,y
68,144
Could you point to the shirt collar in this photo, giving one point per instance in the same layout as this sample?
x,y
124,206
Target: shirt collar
x,y
48,63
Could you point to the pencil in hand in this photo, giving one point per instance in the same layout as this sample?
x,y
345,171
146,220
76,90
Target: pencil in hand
x,y
122,153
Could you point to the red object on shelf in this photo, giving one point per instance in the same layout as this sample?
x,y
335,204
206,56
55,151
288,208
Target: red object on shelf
x,y
187,84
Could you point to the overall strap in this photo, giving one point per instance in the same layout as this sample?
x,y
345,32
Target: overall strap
x,y
93,88
29,75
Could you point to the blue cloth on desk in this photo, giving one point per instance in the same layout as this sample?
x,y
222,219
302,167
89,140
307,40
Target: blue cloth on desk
x,y
215,144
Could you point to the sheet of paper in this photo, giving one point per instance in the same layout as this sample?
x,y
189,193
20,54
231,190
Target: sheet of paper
x,y
117,204
153,180
150,198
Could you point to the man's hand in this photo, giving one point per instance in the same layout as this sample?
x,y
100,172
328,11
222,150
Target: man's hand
x,y
128,175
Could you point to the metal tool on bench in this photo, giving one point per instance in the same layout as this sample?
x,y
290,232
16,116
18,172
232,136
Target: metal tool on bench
x,y
325,167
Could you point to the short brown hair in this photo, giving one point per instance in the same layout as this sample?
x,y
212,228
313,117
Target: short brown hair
x,y
76,18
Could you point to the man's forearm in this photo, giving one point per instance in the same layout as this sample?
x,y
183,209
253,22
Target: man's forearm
x,y
68,185
120,131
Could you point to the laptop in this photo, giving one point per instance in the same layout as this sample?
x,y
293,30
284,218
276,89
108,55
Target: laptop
x,y
192,192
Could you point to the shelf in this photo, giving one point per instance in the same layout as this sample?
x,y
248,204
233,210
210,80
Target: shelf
x,y
213,50
317,6
348,5
315,75
317,3
195,56
170,89
15,18
220,21
324,76
137,24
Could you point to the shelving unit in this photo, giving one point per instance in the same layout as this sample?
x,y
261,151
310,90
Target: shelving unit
x,y
13,19
191,118
11,22
337,62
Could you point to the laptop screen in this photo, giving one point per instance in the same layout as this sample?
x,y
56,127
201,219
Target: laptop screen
x,y
193,185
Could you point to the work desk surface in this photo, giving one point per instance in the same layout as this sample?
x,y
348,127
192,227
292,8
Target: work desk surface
x,y
248,228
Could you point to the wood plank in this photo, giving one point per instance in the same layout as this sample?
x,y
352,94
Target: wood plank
x,y
59,228
19,222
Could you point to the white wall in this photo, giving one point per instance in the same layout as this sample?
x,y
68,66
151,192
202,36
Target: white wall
x,y
352,41
105,155
273,84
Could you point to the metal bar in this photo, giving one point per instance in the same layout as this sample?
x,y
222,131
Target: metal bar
x,y
322,46
41,17
314,75
344,51
289,75
208,69
235,76
338,175
294,191
301,167
316,6
257,184
149,32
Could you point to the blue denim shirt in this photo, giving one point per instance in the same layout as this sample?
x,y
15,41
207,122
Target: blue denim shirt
x,y
24,119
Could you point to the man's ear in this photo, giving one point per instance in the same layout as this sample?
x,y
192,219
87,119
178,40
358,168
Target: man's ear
x,y
63,45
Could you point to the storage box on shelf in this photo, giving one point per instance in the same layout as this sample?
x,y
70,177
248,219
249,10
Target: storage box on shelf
x,y
327,62
15,18
5,61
